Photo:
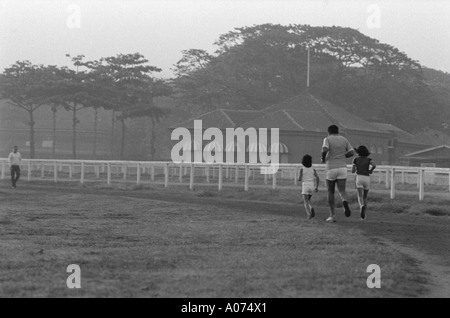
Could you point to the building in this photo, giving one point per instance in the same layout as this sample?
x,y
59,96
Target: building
x,y
401,143
432,157
433,137
303,121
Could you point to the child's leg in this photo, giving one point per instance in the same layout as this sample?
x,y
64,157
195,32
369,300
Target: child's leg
x,y
307,202
366,194
361,192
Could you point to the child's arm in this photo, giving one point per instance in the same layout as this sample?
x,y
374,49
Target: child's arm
x,y
301,175
373,166
317,180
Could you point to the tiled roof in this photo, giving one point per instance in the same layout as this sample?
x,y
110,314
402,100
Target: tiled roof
x,y
402,136
222,118
310,105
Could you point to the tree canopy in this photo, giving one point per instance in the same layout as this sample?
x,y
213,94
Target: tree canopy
x,y
254,67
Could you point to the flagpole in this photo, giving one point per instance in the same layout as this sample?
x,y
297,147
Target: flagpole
x,y
307,71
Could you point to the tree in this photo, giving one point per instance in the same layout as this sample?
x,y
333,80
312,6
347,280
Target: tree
x,y
28,87
132,88
254,67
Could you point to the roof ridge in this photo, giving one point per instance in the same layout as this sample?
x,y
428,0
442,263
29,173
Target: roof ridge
x,y
427,150
327,113
292,119
228,117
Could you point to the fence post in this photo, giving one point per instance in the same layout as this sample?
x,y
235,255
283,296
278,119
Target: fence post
x,y
152,171
220,177
71,171
421,185
97,171
55,172
42,171
166,175
180,177
274,180
236,174
387,178
403,177
295,176
191,178
108,177
393,183
82,173
125,170
246,177
3,170
138,174
29,171
207,174
449,181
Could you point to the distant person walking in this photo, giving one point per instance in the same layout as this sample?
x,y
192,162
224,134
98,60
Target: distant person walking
x,y
335,150
310,184
15,160
364,167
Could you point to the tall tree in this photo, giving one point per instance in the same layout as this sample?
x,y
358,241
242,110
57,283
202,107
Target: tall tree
x,y
28,87
133,88
254,67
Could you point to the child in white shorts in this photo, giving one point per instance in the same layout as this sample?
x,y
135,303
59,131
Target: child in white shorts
x,y
310,184
364,167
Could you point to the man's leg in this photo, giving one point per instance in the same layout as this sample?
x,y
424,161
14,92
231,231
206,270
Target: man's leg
x,y
342,184
13,177
331,185
17,175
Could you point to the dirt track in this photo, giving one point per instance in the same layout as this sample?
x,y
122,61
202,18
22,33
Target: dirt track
x,y
424,238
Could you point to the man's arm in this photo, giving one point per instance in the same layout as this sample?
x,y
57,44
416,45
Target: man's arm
x,y
350,151
325,151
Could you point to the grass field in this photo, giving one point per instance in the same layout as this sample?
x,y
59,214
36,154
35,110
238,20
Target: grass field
x,y
152,242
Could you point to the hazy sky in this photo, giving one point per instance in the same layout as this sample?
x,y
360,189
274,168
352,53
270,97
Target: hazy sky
x,y
43,31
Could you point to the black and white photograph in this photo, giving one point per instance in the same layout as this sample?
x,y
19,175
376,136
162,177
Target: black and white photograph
x,y
225,156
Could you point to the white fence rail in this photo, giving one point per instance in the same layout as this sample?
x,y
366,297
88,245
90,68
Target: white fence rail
x,y
213,174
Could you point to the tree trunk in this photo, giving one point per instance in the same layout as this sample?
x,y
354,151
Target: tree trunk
x,y
32,150
74,132
95,132
153,139
113,122
122,144
54,134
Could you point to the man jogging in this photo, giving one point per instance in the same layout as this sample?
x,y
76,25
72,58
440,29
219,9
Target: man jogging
x,y
336,149
15,159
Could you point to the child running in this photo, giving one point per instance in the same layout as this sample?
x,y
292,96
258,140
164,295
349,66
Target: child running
x,y
310,183
364,167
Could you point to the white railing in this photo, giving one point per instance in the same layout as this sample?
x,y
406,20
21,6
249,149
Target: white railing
x,y
203,174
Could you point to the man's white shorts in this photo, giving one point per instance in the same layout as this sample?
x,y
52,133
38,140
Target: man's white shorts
x,y
308,188
336,174
363,182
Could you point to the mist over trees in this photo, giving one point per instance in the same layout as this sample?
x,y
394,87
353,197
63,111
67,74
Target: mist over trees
x,y
254,67
251,68
122,84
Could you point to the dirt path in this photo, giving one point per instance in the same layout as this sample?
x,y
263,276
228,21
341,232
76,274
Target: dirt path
x,y
439,286
423,238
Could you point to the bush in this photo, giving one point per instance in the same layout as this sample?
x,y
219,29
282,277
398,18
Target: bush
x,y
434,210
206,194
